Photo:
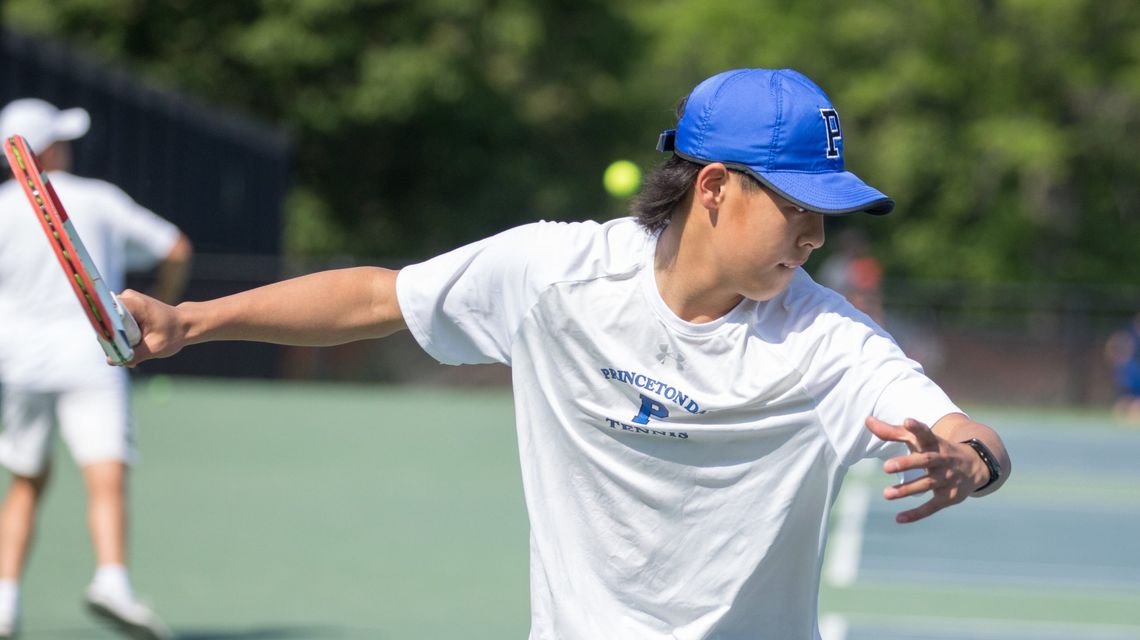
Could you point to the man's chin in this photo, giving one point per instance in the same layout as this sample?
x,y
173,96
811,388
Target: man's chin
x,y
772,289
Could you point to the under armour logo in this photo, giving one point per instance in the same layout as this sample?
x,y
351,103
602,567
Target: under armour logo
x,y
664,354
834,134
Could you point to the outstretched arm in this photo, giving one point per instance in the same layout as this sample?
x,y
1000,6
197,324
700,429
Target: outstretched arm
x,y
322,309
954,471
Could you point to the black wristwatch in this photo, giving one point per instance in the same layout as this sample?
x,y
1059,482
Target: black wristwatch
x,y
989,458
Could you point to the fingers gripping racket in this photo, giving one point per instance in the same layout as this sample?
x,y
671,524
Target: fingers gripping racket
x,y
116,330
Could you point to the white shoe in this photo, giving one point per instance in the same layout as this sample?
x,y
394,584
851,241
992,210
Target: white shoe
x,y
127,614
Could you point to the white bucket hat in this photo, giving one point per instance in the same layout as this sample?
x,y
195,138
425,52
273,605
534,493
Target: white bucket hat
x,y
42,123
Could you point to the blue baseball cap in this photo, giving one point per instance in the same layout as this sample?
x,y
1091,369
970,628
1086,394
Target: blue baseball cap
x,y
779,127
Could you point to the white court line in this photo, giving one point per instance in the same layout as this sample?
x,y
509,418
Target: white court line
x,y
847,540
833,627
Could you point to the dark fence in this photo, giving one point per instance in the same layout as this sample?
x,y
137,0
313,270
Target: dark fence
x,y
1025,344
221,178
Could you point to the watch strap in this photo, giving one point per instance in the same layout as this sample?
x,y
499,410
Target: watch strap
x,y
988,458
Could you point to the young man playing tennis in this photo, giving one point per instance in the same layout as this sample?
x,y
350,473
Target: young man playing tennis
x,y
688,399
52,371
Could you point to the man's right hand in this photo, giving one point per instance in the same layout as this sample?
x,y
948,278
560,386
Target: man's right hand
x,y
163,334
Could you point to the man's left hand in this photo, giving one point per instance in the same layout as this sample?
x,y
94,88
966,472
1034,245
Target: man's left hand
x,y
953,470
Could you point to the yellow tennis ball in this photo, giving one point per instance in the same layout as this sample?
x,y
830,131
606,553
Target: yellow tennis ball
x,y
622,178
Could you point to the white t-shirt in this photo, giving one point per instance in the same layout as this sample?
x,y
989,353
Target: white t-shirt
x,y
47,342
678,476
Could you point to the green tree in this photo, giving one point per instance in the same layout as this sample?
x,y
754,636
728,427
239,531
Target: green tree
x,y
419,126
1004,129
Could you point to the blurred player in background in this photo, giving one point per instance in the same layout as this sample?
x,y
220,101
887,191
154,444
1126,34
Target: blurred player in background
x,y
54,375
687,399
854,272
1123,352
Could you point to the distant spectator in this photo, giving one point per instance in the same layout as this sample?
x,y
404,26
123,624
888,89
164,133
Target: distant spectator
x,y
854,272
1123,352
56,378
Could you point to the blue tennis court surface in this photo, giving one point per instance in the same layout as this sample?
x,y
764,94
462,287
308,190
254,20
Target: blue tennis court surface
x,y
297,510
1054,554
933,628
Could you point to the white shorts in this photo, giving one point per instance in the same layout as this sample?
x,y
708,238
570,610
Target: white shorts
x,y
95,423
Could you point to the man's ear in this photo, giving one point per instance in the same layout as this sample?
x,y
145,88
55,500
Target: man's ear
x,y
710,185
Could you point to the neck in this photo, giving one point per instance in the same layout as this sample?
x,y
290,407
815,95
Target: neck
x,y
57,157
685,271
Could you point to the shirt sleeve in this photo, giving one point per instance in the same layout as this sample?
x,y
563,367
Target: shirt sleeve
x,y
147,237
464,306
857,370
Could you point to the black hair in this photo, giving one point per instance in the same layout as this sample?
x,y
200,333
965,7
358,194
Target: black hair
x,y
664,190
667,187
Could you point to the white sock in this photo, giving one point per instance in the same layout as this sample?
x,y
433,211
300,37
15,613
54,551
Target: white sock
x,y
113,579
9,598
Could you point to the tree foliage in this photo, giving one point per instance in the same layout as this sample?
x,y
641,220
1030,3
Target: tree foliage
x,y
419,125
1004,129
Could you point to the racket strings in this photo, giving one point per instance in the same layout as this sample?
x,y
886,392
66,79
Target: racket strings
x,y
86,286
76,275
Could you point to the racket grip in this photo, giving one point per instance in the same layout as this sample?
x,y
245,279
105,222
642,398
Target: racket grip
x,y
130,327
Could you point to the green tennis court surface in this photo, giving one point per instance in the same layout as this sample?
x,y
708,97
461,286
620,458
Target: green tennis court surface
x,y
282,510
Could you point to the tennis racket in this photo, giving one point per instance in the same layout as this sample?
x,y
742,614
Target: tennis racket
x,y
116,330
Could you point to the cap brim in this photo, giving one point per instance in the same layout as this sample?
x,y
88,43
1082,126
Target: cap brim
x,y
832,193
71,124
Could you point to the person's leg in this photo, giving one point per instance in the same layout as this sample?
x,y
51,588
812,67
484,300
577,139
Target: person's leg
x,y
28,419
18,523
17,527
96,425
110,595
107,511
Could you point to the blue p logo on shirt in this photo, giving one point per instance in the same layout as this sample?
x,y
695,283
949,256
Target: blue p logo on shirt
x,y
650,407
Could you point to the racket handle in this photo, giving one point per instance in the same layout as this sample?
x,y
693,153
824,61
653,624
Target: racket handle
x,y
130,327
